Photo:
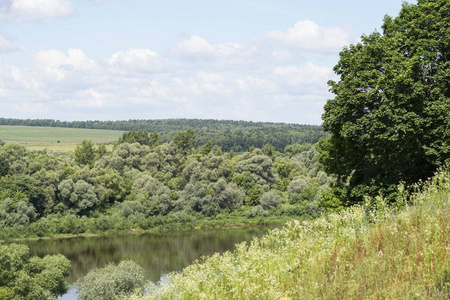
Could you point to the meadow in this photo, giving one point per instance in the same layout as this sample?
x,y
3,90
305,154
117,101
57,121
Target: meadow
x,y
371,251
54,138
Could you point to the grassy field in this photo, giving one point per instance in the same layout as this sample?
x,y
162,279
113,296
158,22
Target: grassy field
x,y
365,252
53,138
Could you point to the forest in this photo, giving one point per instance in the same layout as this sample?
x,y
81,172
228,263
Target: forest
x,y
229,135
145,184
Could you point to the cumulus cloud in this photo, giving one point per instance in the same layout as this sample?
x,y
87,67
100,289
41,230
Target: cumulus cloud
x,y
140,60
308,75
256,80
54,65
310,36
89,98
31,10
199,48
254,84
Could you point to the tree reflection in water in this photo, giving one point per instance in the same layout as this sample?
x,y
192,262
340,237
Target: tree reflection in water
x,y
157,253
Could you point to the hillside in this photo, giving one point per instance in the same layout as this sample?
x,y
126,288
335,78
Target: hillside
x,y
229,135
361,253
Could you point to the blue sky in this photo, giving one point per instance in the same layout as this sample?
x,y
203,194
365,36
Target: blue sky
x,y
236,59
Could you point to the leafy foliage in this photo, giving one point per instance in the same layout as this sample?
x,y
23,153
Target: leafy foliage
x,y
33,278
142,137
112,281
389,120
228,135
85,153
140,186
370,251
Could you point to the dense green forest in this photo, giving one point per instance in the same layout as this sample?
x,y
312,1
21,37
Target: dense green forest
x,y
229,135
148,184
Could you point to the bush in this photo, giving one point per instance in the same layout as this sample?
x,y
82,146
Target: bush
x,y
256,211
112,281
270,199
26,277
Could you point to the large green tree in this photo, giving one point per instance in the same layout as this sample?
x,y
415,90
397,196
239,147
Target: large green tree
x,y
33,278
85,153
389,120
142,137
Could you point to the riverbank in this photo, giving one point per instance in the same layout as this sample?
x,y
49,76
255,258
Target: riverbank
x,y
26,233
371,251
158,253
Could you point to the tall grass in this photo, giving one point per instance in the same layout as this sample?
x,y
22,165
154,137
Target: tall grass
x,y
365,252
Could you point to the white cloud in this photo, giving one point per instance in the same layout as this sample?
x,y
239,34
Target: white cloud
x,y
31,10
6,45
54,65
89,98
310,36
199,48
281,55
22,78
253,84
140,60
309,75
256,80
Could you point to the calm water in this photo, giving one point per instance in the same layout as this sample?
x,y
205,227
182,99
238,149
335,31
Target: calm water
x,y
158,254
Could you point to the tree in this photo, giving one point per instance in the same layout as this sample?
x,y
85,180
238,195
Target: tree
x,y
4,165
227,196
142,137
27,186
15,209
389,120
33,278
78,196
101,150
270,200
85,153
185,140
153,193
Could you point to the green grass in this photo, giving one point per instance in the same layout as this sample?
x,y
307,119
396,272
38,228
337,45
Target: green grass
x,y
365,252
38,138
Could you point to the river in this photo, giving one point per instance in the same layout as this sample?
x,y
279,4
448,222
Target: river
x,y
157,253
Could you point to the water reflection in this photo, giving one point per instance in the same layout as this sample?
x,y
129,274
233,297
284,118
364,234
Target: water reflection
x,y
158,254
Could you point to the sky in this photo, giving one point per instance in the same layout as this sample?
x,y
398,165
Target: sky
x,y
247,60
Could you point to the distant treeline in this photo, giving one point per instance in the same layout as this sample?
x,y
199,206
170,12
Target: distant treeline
x,y
229,135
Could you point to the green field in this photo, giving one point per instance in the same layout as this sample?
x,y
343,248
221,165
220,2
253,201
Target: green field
x,y
38,138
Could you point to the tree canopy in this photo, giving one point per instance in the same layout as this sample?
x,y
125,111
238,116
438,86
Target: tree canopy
x,y
25,277
389,120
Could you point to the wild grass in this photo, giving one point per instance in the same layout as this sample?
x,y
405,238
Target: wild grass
x,y
370,251
53,138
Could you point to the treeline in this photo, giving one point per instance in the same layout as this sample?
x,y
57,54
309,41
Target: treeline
x,y
238,136
139,186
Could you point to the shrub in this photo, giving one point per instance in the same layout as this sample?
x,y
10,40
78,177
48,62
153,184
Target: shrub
x,y
112,281
270,199
26,277
256,211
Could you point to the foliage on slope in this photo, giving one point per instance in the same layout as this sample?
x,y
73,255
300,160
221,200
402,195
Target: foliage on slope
x,y
366,252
